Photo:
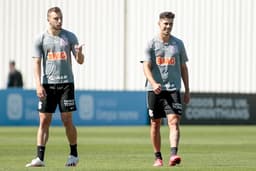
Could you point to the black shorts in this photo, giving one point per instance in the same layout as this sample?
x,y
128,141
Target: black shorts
x,y
58,94
160,105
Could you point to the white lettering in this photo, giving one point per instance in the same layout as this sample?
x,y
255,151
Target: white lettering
x,y
202,102
241,103
219,108
128,115
224,102
217,113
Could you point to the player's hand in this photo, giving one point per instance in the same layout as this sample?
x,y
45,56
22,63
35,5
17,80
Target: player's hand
x,y
157,88
79,48
41,93
186,97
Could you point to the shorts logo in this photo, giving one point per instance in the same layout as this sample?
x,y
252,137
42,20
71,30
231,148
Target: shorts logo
x,y
68,103
177,106
150,113
40,105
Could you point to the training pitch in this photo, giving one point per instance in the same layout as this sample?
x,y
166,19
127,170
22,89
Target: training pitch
x,y
202,148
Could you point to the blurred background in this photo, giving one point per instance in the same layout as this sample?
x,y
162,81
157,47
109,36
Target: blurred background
x,y
219,37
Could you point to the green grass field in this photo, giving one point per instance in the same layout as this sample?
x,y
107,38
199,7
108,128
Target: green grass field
x,y
202,148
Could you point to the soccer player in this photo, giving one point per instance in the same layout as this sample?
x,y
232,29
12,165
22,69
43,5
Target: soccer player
x,y
56,86
164,66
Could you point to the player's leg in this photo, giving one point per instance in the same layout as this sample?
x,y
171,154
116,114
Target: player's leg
x,y
155,124
45,107
71,134
173,123
155,134
43,129
174,110
67,105
70,129
43,133
155,137
42,138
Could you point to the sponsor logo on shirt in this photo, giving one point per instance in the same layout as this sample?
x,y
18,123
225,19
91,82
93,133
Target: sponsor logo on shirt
x,y
165,60
57,56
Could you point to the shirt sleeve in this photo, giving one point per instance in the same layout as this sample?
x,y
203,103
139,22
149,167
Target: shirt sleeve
x,y
37,47
73,41
183,53
147,52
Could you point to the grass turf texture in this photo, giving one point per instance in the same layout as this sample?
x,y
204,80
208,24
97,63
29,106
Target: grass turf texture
x,y
211,148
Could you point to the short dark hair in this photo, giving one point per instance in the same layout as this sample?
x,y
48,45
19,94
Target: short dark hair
x,y
53,9
12,62
166,14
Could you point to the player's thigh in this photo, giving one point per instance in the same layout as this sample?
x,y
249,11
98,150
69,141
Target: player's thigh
x,y
67,98
155,109
172,103
49,103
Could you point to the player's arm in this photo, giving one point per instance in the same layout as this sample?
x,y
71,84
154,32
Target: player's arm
x,y
185,79
79,54
148,74
40,91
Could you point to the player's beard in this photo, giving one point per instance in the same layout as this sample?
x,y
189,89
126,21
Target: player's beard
x,y
58,27
166,33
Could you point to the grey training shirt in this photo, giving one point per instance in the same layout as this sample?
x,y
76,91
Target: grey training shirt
x,y
55,52
166,60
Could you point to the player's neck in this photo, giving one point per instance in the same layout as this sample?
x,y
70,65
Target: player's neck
x,y
53,32
165,37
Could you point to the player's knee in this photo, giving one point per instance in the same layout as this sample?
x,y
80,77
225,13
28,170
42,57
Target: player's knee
x,y
67,122
44,124
173,123
155,123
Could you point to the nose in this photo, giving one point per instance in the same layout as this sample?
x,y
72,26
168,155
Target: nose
x,y
168,25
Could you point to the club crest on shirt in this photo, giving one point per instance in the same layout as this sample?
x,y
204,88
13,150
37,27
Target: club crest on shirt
x,y
173,49
63,41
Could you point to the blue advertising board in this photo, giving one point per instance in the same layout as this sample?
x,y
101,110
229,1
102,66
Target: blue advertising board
x,y
19,107
98,108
